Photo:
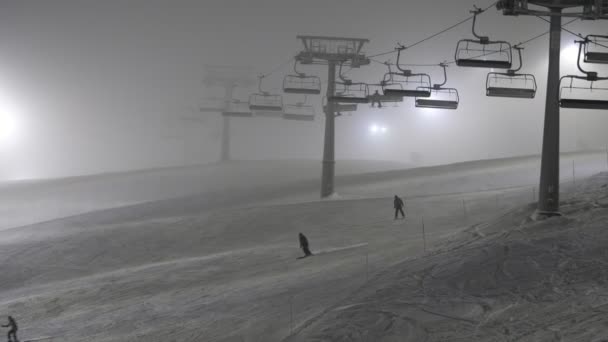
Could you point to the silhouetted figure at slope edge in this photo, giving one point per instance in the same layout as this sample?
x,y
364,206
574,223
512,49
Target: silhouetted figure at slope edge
x,y
304,245
12,332
375,98
398,204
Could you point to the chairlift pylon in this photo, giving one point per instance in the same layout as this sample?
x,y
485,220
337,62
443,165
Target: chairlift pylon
x,y
510,83
589,96
474,52
441,97
405,83
265,101
300,83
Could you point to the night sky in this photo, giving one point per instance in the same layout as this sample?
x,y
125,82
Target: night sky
x,y
95,86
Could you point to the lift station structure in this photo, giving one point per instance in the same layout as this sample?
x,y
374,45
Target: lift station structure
x,y
548,199
331,51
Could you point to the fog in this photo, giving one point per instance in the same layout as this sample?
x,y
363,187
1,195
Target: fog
x,y
98,86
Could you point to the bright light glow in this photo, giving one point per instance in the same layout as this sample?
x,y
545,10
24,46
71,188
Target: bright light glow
x,y
569,54
9,123
8,129
376,129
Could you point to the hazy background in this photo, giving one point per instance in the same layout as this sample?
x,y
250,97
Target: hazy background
x,y
91,86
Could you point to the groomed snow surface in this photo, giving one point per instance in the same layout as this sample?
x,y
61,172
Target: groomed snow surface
x,y
213,265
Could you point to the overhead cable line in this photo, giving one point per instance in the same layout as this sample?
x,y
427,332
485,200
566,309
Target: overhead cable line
x,y
277,68
434,35
572,33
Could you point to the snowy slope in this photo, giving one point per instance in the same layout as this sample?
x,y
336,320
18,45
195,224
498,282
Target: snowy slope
x,y
510,279
224,268
243,182
28,202
224,275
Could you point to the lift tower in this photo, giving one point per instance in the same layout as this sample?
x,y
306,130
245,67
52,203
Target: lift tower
x,y
548,199
331,51
228,78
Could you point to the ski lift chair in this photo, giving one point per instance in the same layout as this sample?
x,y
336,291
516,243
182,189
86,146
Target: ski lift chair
x,y
375,93
351,92
238,109
441,97
300,83
340,108
511,83
343,107
405,83
482,52
264,101
300,111
581,92
596,49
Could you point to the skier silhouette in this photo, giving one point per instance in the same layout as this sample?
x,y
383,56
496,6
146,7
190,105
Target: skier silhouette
x,y
398,204
375,98
12,332
304,245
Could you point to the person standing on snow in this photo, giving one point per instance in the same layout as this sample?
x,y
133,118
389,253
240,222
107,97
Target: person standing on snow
x,y
304,245
398,204
12,332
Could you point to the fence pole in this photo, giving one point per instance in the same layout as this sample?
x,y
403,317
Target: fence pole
x,y
573,173
423,236
367,263
291,313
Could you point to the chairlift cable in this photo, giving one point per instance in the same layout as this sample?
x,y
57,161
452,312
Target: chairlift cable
x,y
264,75
528,40
572,33
520,43
486,54
434,35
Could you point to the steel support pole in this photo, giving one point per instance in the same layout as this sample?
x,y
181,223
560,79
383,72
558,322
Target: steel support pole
x,y
548,196
327,177
225,152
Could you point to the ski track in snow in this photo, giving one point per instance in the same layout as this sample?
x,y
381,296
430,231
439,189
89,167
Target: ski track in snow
x,y
171,272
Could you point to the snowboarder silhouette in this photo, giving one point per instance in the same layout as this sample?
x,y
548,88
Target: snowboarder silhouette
x,y
375,98
304,245
398,204
12,332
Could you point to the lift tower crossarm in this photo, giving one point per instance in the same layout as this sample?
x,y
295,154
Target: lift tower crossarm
x,y
584,9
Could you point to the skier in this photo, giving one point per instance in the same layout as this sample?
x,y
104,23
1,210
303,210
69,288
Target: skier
x,y
375,98
12,332
304,245
398,204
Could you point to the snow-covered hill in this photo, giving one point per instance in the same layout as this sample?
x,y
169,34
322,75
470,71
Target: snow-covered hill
x,y
242,182
509,279
221,265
